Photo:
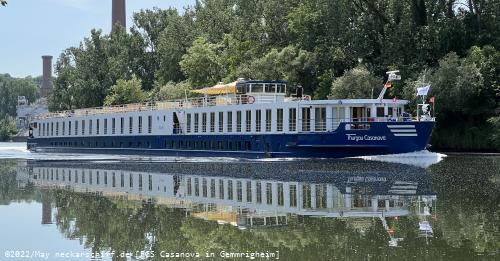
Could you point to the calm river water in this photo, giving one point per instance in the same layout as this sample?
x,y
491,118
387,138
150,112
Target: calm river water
x,y
421,206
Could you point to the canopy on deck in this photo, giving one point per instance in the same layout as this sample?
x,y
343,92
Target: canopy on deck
x,y
229,88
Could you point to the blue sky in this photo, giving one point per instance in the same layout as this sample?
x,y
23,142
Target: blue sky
x,y
32,28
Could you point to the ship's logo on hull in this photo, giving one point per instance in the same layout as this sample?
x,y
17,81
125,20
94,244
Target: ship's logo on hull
x,y
357,138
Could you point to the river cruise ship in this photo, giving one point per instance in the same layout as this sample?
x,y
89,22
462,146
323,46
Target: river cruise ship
x,y
243,119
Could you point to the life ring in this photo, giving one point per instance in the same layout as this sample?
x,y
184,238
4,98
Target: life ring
x,y
251,99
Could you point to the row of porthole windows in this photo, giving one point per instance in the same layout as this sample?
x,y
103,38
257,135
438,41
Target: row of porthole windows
x,y
168,144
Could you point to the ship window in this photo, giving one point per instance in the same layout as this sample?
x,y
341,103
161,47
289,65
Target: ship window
x,y
196,122
83,127
130,124
122,125
320,119
239,191
238,121
212,122
195,145
221,188
380,111
51,129
90,127
281,88
97,127
188,123
293,195
204,122
57,128
140,181
270,88
306,117
229,145
212,145
63,128
105,126
43,129
229,121
221,121
212,188
220,145
150,124
69,128
248,145
281,195
150,182
248,121
238,145
140,124
292,119
269,193
230,190
257,87
249,191
268,119
306,196
204,145
279,117
204,186
39,130
258,120
258,191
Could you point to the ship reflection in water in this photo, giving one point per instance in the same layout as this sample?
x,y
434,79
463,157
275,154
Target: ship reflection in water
x,y
250,196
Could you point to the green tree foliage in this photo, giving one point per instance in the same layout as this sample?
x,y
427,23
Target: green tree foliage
x,y
125,91
7,127
11,88
307,42
201,64
170,91
356,83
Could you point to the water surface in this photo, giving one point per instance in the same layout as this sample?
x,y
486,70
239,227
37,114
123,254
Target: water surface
x,y
421,206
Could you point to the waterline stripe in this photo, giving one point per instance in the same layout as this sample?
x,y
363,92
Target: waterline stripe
x,y
405,134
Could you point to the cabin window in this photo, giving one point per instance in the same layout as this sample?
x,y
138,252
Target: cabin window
x,y
113,126
268,120
188,123
43,129
51,129
57,128
204,187
269,193
338,114
97,126
63,128
140,124
150,182
212,188
320,119
230,190
130,124
292,121
239,191
196,122
249,191
204,122
281,88
238,145
90,127
380,111
140,181
197,187
258,191
306,196
238,121
105,126
258,120
83,127
150,124
306,117
281,195
229,121
248,145
221,121
229,145
221,188
39,130
270,88
248,121
212,122
122,125
257,87
212,145
293,195
220,145
279,118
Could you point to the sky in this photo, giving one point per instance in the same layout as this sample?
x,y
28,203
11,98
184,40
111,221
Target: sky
x,y
32,28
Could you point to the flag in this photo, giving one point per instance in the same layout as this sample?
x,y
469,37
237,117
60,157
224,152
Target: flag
x,y
423,90
388,84
431,99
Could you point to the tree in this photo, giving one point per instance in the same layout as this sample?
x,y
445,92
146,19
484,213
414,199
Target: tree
x,y
124,92
201,63
7,127
170,91
355,84
3,2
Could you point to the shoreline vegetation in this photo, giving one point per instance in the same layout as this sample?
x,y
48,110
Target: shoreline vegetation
x,y
335,49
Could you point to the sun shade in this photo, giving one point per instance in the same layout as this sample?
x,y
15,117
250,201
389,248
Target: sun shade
x,y
218,89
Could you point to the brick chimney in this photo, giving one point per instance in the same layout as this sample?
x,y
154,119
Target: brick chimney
x,y
46,87
118,13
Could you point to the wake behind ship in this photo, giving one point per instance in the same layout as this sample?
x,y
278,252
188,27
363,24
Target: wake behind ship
x,y
246,118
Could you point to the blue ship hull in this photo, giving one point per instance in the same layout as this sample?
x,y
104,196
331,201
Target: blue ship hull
x,y
381,138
